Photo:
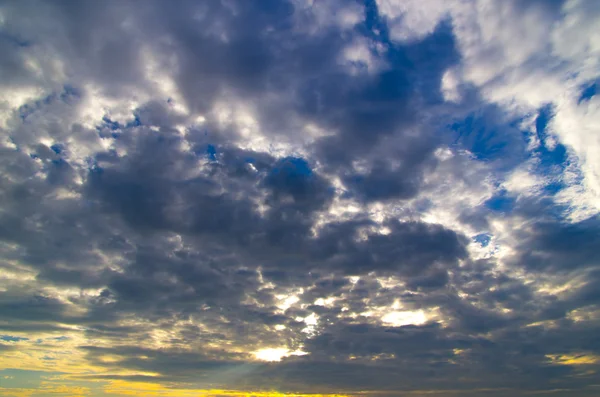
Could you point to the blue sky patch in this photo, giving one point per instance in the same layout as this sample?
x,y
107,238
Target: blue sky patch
x,y
57,148
483,239
211,152
486,141
588,92
553,187
112,125
135,123
501,202
552,160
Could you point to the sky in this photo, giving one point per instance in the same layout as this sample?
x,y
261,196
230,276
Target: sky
x,y
300,197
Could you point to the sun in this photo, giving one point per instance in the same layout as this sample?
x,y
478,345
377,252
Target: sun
x,y
399,319
276,354
271,354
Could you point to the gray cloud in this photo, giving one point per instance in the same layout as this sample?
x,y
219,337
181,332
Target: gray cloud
x,y
184,186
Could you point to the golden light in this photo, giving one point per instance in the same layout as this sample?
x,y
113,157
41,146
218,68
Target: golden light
x,y
271,354
398,319
276,354
572,359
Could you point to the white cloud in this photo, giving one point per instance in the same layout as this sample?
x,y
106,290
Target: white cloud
x,y
413,19
523,56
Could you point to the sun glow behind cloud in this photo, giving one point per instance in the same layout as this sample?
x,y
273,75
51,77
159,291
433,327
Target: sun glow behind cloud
x,y
276,354
299,197
400,318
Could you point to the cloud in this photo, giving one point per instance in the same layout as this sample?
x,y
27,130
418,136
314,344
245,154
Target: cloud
x,y
520,74
395,197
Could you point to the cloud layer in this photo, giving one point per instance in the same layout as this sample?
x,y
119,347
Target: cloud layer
x,y
388,197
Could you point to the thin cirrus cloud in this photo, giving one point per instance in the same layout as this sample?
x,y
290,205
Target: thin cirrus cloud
x,y
294,197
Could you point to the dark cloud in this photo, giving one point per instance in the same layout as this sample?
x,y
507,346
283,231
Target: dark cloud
x,y
188,185
557,246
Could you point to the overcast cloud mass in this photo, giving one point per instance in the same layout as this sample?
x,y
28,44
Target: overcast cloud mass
x,y
239,197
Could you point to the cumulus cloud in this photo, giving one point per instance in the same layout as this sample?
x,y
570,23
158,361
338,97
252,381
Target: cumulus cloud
x,y
396,197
